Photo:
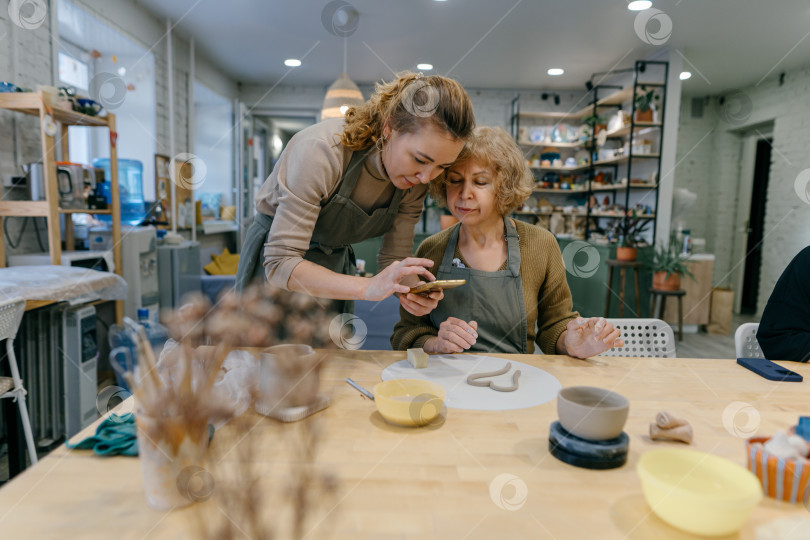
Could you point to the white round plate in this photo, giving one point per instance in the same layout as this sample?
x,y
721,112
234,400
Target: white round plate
x,y
535,386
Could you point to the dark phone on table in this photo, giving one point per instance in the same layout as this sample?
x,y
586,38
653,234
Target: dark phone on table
x,y
769,370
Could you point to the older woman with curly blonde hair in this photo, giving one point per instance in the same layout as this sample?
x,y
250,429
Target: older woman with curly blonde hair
x,y
345,180
516,293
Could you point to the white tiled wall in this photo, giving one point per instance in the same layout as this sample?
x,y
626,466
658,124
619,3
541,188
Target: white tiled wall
x,y
709,158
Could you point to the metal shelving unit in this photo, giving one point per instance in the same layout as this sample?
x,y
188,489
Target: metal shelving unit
x,y
605,97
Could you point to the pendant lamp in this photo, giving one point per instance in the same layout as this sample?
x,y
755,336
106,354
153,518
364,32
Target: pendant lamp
x,y
341,95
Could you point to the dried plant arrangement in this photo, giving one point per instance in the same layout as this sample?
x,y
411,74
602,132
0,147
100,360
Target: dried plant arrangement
x,y
249,495
176,398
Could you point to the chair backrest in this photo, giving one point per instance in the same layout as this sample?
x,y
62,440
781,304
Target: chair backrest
x,y
745,341
11,314
644,337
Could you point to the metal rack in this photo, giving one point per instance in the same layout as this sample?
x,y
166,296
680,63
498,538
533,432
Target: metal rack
x,y
603,97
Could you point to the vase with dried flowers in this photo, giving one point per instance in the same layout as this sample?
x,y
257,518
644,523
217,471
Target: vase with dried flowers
x,y
176,398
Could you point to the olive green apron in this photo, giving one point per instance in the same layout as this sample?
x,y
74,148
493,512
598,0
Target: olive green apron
x,y
493,299
340,224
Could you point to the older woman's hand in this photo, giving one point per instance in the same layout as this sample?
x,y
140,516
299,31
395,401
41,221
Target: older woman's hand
x,y
421,304
584,338
455,336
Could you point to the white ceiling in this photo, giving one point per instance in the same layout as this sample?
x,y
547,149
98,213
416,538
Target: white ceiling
x,y
494,44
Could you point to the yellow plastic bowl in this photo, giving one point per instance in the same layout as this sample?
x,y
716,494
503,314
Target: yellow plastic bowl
x,y
409,402
698,492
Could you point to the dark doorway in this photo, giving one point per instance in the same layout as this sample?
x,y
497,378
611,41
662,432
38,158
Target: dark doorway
x,y
756,222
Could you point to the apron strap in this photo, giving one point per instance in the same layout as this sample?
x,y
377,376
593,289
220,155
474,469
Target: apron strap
x,y
512,247
447,260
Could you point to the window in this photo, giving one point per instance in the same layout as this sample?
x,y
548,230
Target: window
x,y
213,144
74,72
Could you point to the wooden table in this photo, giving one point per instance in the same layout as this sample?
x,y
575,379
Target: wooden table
x,y
435,483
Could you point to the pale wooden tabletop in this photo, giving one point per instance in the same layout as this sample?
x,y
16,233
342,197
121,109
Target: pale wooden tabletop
x,y
435,482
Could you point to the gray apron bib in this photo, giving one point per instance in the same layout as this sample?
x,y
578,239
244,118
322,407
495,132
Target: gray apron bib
x,y
340,224
493,299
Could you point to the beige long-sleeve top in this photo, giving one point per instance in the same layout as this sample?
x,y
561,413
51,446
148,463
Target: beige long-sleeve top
x,y
547,298
307,173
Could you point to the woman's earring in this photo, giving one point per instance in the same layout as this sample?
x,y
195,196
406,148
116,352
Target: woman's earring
x,y
379,142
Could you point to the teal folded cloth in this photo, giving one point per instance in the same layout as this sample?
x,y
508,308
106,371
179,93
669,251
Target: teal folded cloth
x,y
115,436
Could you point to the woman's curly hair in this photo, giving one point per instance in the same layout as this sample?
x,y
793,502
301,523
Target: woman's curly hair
x,y
493,147
408,103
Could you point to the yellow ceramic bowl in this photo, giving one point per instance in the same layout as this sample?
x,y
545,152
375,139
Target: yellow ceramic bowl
x,y
409,402
698,492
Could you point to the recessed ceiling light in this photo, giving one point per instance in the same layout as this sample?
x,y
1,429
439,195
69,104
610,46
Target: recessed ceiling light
x,y
639,5
424,67
685,75
555,71
292,62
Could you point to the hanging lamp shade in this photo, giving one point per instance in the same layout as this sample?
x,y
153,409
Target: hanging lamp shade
x,y
341,95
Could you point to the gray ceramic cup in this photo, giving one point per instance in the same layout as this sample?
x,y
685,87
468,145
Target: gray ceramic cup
x,y
592,413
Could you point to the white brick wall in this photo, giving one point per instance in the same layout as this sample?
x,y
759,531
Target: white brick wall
x,y
712,170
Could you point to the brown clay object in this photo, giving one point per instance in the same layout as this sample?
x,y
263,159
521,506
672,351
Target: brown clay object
x,y
666,420
680,433
473,379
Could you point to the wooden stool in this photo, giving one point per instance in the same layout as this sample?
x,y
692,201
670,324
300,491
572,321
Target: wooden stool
x,y
655,295
623,266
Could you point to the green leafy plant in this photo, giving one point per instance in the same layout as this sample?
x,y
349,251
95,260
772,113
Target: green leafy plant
x,y
668,259
629,231
645,99
593,120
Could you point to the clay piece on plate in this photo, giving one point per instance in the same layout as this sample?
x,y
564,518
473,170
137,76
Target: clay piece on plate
x,y
473,379
418,358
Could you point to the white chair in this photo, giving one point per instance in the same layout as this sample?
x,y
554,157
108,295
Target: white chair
x,y
11,314
745,341
644,337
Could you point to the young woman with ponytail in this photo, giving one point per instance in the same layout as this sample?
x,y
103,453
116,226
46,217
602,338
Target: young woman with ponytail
x,y
345,180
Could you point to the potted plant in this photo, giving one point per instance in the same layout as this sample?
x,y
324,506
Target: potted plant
x,y
630,237
668,266
645,102
595,123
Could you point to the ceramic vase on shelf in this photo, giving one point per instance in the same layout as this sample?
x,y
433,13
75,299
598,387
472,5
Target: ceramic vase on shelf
x,y
644,116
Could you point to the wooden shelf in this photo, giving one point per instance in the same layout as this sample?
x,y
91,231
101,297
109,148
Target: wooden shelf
x,y
552,115
553,190
24,208
620,216
40,104
617,98
598,187
624,130
554,144
84,211
559,169
31,102
624,159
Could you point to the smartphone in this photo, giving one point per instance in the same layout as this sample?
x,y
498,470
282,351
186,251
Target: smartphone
x,y
438,284
769,370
